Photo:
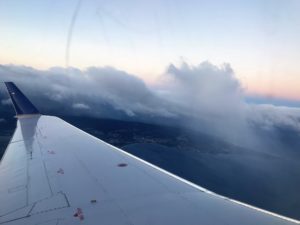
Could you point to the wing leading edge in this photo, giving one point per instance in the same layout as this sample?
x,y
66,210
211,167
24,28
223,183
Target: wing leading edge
x,y
53,173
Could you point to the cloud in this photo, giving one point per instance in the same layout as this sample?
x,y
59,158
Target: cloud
x,y
108,92
269,117
213,100
2,120
80,106
204,96
5,101
204,89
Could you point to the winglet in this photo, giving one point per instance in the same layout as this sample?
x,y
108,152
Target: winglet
x,y
21,104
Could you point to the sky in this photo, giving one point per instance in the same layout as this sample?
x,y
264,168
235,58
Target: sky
x,y
259,38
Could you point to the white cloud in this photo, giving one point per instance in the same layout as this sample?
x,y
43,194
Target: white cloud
x,y
80,106
270,116
205,88
6,102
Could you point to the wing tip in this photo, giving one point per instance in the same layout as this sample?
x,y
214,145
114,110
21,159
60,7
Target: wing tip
x,y
21,103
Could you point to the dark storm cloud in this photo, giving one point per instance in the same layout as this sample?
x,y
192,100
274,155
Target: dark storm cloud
x,y
105,92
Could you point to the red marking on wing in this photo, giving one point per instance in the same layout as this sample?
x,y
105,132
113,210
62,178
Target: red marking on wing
x,y
61,171
79,214
51,152
122,165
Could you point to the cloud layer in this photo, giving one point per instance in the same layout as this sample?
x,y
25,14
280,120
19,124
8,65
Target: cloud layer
x,y
204,96
103,92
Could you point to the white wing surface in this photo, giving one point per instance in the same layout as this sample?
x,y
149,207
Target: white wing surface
x,y
55,174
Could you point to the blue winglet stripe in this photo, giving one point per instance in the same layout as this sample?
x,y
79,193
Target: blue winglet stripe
x,y
21,104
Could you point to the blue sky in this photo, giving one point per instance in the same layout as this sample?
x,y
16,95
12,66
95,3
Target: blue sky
x,y
260,38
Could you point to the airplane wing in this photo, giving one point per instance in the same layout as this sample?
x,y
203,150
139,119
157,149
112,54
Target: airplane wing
x,y
52,173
